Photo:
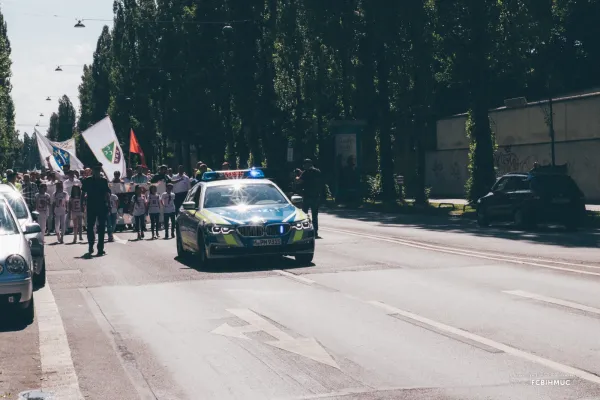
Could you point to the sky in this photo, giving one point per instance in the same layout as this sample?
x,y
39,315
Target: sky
x,y
42,36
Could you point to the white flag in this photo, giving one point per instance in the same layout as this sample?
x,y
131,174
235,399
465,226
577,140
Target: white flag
x,y
60,153
103,141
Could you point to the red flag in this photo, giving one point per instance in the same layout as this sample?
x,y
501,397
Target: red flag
x,y
134,147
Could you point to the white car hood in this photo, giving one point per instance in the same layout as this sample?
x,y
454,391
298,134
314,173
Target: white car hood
x,y
13,244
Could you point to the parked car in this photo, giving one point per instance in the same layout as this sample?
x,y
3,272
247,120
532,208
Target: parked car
x,y
16,286
527,199
25,218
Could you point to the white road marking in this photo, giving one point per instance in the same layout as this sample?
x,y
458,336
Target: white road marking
x,y
305,347
58,372
469,253
565,369
552,300
136,378
294,276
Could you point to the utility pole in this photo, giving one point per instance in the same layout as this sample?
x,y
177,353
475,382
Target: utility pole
x,y
551,125
551,119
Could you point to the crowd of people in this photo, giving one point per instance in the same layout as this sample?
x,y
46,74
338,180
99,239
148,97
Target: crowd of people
x,y
86,192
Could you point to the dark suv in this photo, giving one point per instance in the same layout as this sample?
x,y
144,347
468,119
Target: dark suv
x,y
531,198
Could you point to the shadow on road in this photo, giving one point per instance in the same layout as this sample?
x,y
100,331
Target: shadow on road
x,y
11,321
254,264
543,234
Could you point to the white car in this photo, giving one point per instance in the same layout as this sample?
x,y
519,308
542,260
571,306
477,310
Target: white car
x,y
16,286
36,243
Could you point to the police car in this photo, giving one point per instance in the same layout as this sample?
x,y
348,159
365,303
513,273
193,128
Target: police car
x,y
231,214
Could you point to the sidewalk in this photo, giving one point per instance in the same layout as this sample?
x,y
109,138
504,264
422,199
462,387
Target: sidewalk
x,y
462,202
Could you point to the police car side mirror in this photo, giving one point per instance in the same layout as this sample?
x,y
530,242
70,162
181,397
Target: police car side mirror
x,y
297,200
189,205
35,216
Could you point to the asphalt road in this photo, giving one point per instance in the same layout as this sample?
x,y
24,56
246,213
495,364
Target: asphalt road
x,y
394,307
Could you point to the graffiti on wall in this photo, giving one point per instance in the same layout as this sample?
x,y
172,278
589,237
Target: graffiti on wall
x,y
506,161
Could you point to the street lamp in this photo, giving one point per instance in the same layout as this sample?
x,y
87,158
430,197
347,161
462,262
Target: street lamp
x,y
79,24
227,29
60,67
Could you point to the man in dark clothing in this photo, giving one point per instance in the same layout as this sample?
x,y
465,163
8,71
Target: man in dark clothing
x,y
311,182
96,194
162,176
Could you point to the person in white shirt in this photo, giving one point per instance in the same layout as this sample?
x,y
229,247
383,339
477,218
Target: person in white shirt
x,y
181,187
154,211
59,205
167,199
60,175
139,208
76,213
42,206
112,216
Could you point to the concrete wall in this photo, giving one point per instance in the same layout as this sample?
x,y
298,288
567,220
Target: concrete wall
x,y
522,137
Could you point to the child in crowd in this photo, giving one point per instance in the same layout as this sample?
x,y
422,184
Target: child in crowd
x,y
154,211
76,210
168,202
138,210
42,206
59,205
112,216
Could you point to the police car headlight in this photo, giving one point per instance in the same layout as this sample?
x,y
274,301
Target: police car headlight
x,y
219,229
305,224
16,264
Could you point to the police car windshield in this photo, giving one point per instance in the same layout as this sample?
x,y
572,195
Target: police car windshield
x,y
242,194
7,223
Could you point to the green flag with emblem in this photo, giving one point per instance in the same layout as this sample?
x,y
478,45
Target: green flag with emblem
x,y
109,151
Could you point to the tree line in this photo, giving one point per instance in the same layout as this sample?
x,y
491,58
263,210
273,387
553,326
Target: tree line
x,y
240,79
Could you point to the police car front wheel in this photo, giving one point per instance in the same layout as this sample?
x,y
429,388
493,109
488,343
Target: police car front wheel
x,y
305,259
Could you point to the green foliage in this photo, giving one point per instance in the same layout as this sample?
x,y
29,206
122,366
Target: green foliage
x,y
288,68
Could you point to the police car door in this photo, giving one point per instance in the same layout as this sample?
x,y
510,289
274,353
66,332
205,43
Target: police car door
x,y
186,218
192,220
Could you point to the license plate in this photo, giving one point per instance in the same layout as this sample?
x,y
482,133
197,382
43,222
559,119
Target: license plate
x,y
267,242
561,201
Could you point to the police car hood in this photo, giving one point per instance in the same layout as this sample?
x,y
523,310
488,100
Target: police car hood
x,y
239,215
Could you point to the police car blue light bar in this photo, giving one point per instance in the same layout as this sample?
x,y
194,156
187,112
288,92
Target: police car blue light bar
x,y
236,174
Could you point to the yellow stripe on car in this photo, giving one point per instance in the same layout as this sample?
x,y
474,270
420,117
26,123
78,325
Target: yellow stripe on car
x,y
300,216
230,240
297,236
215,218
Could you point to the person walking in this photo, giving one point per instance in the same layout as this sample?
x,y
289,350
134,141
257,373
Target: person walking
x,y
181,187
168,202
76,212
42,206
311,182
154,211
138,210
59,207
97,194
29,190
112,216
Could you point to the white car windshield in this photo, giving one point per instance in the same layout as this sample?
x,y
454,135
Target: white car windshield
x,y
7,223
18,206
240,194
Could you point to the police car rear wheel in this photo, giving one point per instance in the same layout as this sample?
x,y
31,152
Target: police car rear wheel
x,y
305,259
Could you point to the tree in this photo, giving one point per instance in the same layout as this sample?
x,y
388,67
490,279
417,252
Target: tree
x,y
9,137
67,119
53,128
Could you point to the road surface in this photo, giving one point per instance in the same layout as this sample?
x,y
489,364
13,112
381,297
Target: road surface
x,y
394,307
